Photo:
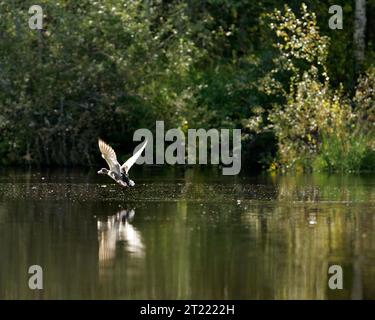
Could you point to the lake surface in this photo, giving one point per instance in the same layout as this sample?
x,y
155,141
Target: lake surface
x,y
186,234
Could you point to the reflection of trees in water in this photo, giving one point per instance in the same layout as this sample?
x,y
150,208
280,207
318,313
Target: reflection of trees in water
x,y
299,237
275,252
200,243
324,187
60,237
290,253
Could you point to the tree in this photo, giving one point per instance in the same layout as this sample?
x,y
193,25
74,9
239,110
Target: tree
x,y
359,33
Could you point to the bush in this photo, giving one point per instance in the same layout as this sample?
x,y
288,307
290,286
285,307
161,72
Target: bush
x,y
316,128
97,69
350,154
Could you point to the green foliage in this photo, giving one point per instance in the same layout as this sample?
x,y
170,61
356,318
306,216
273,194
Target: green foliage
x,y
364,101
107,68
310,113
346,155
352,148
97,69
316,127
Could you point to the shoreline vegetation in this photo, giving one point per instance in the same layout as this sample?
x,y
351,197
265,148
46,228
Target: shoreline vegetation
x,y
302,94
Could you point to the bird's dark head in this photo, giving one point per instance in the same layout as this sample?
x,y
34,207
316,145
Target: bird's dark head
x,y
103,171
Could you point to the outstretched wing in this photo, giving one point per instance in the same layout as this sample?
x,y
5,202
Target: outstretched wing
x,y
109,156
129,163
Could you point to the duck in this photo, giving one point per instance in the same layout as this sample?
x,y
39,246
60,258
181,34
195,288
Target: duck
x,y
117,172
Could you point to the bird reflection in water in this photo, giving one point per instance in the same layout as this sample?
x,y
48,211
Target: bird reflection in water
x,y
118,229
312,218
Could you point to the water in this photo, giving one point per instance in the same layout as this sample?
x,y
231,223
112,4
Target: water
x,y
186,234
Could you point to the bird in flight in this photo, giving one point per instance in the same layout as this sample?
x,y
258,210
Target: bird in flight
x,y
118,173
